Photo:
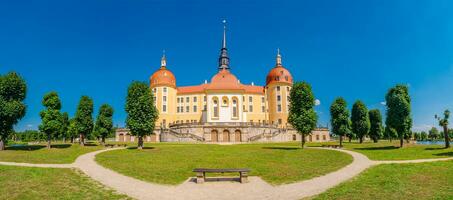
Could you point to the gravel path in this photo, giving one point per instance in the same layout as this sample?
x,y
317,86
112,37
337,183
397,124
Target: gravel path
x,y
255,189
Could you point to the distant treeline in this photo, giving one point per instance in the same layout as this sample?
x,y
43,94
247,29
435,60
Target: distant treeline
x,y
38,136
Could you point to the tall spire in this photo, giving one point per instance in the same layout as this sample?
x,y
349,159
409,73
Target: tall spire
x,y
224,60
279,58
163,61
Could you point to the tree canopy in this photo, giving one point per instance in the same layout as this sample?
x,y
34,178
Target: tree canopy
x,y
302,115
340,118
360,121
84,118
399,116
141,112
433,133
443,122
104,122
375,124
51,118
13,91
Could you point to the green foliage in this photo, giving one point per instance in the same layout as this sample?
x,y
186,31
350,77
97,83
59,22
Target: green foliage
x,y
30,136
84,117
13,90
423,136
141,112
72,130
64,126
51,118
302,115
375,124
417,136
399,117
444,123
104,122
434,133
390,133
339,118
360,122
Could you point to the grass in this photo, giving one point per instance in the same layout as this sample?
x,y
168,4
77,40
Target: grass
x,y
172,163
398,181
385,150
47,183
58,154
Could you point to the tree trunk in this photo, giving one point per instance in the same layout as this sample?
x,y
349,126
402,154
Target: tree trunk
x,y
48,141
64,139
341,141
401,142
103,140
375,140
447,137
140,142
72,139
303,140
81,140
360,140
2,145
350,139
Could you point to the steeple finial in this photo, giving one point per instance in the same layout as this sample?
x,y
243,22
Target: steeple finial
x,y
279,58
163,60
224,60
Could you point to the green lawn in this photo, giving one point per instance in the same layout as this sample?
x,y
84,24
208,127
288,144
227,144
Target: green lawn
x,y
172,163
385,150
398,181
47,183
58,154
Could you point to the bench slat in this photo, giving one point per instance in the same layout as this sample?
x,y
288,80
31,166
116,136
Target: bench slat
x,y
221,170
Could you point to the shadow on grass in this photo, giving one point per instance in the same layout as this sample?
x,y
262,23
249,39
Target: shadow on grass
x,y
282,148
26,148
144,148
377,148
444,154
61,146
434,148
90,144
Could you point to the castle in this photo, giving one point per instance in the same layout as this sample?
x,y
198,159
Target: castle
x,y
224,109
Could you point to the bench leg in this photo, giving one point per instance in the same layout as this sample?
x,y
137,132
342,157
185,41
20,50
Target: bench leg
x,y
243,177
200,177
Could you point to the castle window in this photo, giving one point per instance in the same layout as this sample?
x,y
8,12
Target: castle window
x,y
279,108
216,108
182,100
165,98
187,109
205,107
279,98
165,89
317,137
250,99
278,88
164,108
263,108
194,108
178,99
204,98
235,108
194,99
177,109
187,99
281,72
262,100
250,108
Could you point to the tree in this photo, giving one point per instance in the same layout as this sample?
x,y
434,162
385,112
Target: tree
x,y
433,133
375,124
390,133
302,115
360,122
72,131
141,112
399,117
51,117
417,136
104,122
64,126
84,118
423,136
339,118
350,134
444,123
13,90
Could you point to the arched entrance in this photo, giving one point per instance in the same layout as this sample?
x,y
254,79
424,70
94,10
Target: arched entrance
x,y
238,136
214,136
128,137
121,137
226,135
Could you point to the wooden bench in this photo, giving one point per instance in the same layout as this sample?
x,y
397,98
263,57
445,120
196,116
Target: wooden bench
x,y
201,173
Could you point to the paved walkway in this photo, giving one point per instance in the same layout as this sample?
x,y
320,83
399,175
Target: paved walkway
x,y
255,189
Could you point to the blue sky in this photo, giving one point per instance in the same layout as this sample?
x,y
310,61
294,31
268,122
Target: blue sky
x,y
355,49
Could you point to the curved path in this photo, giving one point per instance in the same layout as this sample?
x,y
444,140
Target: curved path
x,y
255,189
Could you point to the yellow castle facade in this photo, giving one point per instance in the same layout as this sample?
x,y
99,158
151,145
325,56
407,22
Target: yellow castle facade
x,y
223,109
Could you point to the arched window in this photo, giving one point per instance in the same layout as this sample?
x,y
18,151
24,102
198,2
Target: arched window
x,y
235,108
225,101
215,106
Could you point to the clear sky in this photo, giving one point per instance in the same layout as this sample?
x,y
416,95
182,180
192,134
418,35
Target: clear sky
x,y
355,49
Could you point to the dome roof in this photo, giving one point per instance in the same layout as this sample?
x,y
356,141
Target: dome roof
x,y
279,74
163,77
224,80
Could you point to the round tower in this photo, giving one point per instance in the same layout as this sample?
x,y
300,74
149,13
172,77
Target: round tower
x,y
163,87
278,85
